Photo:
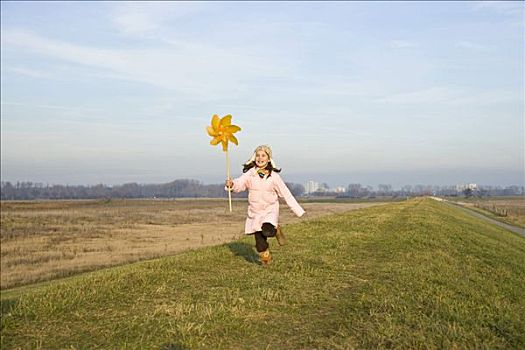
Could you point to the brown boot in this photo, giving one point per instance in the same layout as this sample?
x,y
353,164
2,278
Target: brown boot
x,y
279,235
266,257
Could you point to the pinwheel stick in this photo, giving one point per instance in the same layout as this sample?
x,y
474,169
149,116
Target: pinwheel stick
x,y
222,130
228,174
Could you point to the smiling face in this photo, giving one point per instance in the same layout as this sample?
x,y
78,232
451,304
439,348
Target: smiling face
x,y
261,159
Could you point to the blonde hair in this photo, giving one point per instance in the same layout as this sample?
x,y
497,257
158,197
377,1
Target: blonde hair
x,y
250,163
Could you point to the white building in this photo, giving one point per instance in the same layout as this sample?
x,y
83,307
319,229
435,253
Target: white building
x,y
311,186
462,187
340,189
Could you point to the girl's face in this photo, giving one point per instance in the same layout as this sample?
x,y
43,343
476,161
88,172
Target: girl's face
x,y
261,159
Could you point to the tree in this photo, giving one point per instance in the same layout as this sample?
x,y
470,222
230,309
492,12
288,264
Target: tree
x,y
354,190
296,189
467,192
384,190
8,191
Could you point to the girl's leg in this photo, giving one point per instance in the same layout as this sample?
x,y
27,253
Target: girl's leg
x,y
261,243
268,230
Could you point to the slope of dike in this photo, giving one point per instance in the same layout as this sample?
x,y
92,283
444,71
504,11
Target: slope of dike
x,y
408,275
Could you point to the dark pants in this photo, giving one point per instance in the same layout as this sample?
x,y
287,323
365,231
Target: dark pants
x,y
261,237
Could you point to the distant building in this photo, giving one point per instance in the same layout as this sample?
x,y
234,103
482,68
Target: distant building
x,y
340,189
311,186
463,187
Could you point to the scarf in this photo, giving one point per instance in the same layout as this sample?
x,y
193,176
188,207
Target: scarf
x,y
261,173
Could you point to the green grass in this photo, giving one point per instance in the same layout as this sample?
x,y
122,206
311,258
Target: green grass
x,y
410,275
350,200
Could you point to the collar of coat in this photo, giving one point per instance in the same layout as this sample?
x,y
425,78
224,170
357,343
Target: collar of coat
x,y
255,173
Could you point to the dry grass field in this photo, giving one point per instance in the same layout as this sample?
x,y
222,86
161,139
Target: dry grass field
x,y
42,240
507,209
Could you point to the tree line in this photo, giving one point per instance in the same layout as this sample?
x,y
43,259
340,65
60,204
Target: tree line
x,y
183,188
188,188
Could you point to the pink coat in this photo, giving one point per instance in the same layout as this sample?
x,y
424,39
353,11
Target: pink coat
x,y
263,202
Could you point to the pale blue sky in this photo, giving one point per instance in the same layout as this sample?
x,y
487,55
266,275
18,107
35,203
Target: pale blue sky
x,y
344,92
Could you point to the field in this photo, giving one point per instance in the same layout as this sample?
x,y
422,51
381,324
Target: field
x,y
49,239
510,210
416,274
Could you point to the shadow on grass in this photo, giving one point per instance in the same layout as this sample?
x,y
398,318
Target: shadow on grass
x,y
7,305
245,250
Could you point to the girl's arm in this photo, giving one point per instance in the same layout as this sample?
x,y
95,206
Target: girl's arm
x,y
240,183
284,192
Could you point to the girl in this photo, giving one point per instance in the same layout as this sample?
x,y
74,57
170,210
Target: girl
x,y
265,185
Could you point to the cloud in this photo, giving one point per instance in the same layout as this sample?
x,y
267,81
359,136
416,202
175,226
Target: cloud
x,y
29,72
61,50
509,8
45,106
469,45
190,68
436,94
132,18
453,96
510,11
135,22
402,44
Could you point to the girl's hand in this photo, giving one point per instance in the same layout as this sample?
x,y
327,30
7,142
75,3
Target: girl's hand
x,y
229,183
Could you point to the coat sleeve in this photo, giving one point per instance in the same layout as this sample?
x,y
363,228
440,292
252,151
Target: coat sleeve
x,y
240,183
284,192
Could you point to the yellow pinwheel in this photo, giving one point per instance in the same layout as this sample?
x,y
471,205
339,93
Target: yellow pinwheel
x,y
222,130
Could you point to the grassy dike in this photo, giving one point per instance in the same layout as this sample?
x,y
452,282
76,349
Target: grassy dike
x,y
408,275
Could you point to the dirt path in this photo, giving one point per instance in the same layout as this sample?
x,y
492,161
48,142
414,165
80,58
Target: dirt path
x,y
520,231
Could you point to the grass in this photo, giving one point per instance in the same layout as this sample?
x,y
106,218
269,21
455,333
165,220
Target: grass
x,y
43,240
493,207
334,199
409,275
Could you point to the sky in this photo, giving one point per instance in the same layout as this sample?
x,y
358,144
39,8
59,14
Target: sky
x,y
344,92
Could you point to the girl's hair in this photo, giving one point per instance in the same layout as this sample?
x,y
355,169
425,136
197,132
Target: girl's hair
x,y
268,167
